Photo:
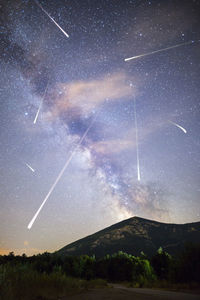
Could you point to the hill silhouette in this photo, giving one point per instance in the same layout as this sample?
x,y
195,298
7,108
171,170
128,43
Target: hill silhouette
x,y
135,235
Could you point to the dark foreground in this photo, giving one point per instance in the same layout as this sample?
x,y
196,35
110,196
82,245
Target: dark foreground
x,y
119,292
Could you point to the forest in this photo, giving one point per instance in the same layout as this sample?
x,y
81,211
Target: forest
x,y
46,276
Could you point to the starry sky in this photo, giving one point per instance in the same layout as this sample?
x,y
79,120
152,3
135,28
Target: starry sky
x,y
84,82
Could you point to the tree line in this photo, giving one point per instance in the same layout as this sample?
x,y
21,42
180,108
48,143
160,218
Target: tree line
x,y
182,268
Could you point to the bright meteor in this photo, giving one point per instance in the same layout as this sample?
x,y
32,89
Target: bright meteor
x,y
161,50
30,168
137,147
60,175
183,129
37,114
40,6
38,111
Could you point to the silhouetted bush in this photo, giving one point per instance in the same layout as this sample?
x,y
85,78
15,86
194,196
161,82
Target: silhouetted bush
x,y
186,266
161,263
124,267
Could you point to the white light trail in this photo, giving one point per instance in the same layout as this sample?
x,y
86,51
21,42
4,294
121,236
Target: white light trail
x,y
40,6
38,111
60,175
30,168
165,49
37,114
183,129
136,138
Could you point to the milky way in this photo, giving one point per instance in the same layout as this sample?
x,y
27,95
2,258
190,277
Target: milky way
x,y
52,87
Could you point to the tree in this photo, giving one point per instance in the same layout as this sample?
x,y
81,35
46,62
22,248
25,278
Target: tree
x,y
161,264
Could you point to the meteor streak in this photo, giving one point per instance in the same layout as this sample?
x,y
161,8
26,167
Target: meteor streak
x,y
60,174
40,6
38,111
30,168
137,147
183,129
37,114
165,49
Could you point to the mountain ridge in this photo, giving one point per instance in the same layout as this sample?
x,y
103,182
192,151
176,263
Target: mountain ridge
x,y
134,235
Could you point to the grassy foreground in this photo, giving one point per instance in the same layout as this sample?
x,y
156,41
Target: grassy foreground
x,y
22,283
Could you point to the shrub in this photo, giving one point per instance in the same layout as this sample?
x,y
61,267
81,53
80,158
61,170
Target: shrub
x,y
23,283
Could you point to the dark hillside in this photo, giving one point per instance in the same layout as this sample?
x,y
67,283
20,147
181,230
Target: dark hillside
x,y
135,235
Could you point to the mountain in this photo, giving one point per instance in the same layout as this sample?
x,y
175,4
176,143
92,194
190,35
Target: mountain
x,y
135,235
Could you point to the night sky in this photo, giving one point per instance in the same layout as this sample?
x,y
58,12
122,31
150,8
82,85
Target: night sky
x,y
83,82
